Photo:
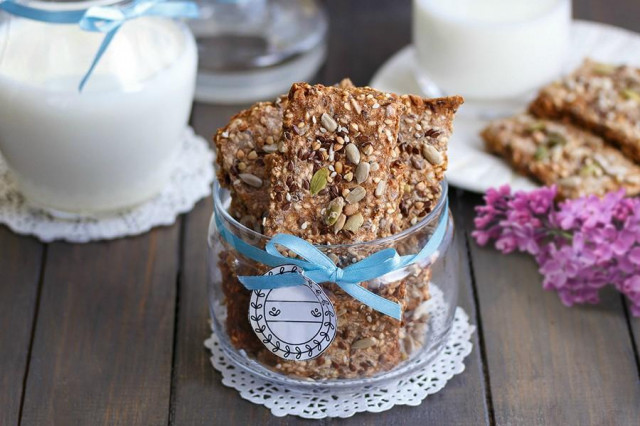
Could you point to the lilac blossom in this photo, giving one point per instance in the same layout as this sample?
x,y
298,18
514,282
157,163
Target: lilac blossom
x,y
580,245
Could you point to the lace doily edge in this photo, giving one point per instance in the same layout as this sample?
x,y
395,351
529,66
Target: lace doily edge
x,y
278,411
195,195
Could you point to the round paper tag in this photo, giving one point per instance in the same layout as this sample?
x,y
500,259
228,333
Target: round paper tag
x,y
295,323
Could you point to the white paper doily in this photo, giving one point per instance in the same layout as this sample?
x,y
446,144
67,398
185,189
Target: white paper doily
x,y
190,181
409,390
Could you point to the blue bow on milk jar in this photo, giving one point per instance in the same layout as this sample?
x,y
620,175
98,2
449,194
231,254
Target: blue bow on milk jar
x,y
94,98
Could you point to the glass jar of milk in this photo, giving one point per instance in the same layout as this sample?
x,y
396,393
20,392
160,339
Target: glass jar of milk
x,y
112,145
489,49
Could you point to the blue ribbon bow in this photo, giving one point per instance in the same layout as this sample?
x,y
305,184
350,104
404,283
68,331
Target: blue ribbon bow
x,y
103,19
320,268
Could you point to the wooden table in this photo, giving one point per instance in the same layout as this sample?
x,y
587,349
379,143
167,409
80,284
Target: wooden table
x,y
112,332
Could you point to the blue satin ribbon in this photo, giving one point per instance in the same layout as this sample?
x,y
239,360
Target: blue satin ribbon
x,y
320,268
103,19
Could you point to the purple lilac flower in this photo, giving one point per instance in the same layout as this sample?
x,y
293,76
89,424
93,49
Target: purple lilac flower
x,y
580,245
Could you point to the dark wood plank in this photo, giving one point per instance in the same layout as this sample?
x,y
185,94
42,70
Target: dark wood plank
x,y
622,13
103,342
634,329
20,265
363,35
548,364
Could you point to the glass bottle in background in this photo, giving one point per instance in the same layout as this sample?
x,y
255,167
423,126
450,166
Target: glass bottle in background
x,y
112,145
492,52
254,49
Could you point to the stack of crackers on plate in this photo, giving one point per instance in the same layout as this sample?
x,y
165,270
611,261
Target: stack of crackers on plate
x,y
581,133
336,165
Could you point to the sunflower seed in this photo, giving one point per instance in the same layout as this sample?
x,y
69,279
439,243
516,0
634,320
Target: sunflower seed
x,y
354,222
356,194
353,154
328,122
339,223
362,171
431,154
251,180
269,149
334,209
382,185
365,343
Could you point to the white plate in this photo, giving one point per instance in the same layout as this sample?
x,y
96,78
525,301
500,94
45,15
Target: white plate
x,y
470,166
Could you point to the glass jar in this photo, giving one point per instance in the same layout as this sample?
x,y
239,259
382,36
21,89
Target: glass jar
x,y
369,347
111,145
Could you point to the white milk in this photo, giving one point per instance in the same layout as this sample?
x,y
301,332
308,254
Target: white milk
x,y
114,144
489,49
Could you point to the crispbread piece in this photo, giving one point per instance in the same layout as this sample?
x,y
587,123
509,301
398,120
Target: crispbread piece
x,y
578,162
425,128
603,98
241,147
339,147
236,301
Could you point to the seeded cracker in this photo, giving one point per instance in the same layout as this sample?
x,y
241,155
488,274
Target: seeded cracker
x,y
603,98
577,161
425,128
330,185
242,145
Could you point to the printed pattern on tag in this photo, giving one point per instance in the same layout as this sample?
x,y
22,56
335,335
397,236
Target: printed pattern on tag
x,y
295,323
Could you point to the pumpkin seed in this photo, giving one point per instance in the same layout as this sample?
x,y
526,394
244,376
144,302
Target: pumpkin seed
x,y
541,153
334,209
535,126
630,94
589,170
603,69
555,139
318,181
251,180
354,223
356,194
